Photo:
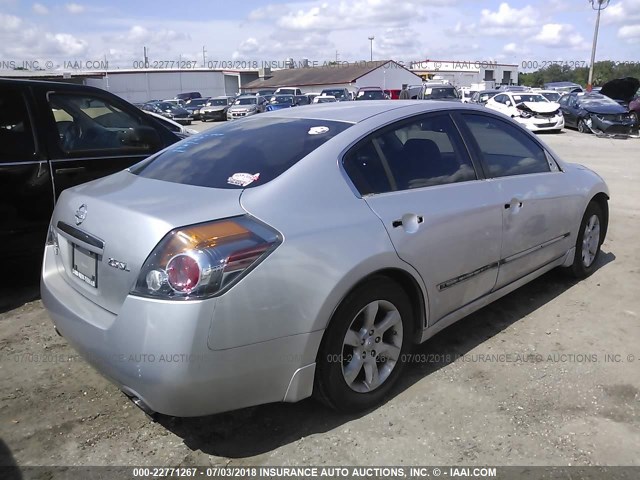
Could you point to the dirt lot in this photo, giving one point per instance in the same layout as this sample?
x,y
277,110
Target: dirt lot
x,y
572,405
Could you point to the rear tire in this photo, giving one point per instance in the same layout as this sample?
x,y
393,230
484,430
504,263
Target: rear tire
x,y
364,348
590,238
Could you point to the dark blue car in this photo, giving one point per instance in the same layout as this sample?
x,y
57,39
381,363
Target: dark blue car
x,y
596,113
278,102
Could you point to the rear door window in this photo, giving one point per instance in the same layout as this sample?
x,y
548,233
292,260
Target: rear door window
x,y
16,136
505,149
241,154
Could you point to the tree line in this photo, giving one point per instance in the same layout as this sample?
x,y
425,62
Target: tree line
x,y
602,73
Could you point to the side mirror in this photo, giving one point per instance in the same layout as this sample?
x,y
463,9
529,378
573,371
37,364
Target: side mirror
x,y
142,137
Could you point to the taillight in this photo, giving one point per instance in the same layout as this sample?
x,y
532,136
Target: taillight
x,y
52,237
200,261
183,273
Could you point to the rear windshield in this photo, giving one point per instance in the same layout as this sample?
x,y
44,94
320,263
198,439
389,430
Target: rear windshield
x,y
440,92
280,99
334,93
240,154
370,95
246,101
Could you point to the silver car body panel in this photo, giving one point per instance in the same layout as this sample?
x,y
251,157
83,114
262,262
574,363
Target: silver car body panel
x,y
258,341
131,226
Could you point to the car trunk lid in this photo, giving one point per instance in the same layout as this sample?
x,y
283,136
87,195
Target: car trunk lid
x,y
108,228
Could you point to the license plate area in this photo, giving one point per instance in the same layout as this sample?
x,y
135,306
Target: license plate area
x,y
84,265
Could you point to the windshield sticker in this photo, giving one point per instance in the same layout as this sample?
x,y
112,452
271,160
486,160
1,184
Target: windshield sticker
x,y
242,179
318,130
517,97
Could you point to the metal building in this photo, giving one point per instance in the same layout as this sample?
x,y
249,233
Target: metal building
x,y
467,73
139,86
385,74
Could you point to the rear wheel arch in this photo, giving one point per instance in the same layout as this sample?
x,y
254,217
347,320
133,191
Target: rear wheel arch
x,y
419,301
391,288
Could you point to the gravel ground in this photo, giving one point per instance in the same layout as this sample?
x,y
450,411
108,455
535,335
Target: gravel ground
x,y
525,381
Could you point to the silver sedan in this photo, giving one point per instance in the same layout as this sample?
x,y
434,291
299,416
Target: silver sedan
x,y
305,251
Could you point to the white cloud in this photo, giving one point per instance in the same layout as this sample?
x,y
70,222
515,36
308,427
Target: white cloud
x,y
263,13
399,44
623,12
74,8
507,20
66,44
23,40
140,35
361,13
40,9
282,44
556,35
511,48
32,42
630,33
9,23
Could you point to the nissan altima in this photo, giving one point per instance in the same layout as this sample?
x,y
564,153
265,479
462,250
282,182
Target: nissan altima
x,y
234,268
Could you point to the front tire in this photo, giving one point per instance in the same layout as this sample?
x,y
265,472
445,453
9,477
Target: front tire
x,y
590,238
582,127
365,346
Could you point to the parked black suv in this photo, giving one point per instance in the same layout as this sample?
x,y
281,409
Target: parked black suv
x,y
57,135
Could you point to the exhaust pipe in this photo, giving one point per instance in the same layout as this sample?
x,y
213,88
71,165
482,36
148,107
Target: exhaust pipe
x,y
151,414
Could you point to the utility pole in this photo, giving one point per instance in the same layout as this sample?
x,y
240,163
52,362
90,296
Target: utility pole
x,y
204,57
597,5
371,38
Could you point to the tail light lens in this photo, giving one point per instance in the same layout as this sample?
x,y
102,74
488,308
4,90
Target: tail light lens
x,y
52,237
204,260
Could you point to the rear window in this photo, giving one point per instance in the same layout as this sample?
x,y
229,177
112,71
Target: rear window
x,y
435,93
241,154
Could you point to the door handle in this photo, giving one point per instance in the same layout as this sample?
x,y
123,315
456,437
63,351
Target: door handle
x,y
400,222
62,171
513,204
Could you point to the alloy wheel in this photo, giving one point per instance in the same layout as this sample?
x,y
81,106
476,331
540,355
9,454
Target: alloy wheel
x,y
371,346
590,240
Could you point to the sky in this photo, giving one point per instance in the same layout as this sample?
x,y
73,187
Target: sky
x,y
516,31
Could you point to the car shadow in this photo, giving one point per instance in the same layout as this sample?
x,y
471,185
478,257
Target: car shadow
x,y
22,286
257,430
9,469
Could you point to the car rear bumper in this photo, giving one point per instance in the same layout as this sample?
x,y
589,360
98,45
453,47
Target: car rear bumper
x,y
183,120
217,115
158,352
237,115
